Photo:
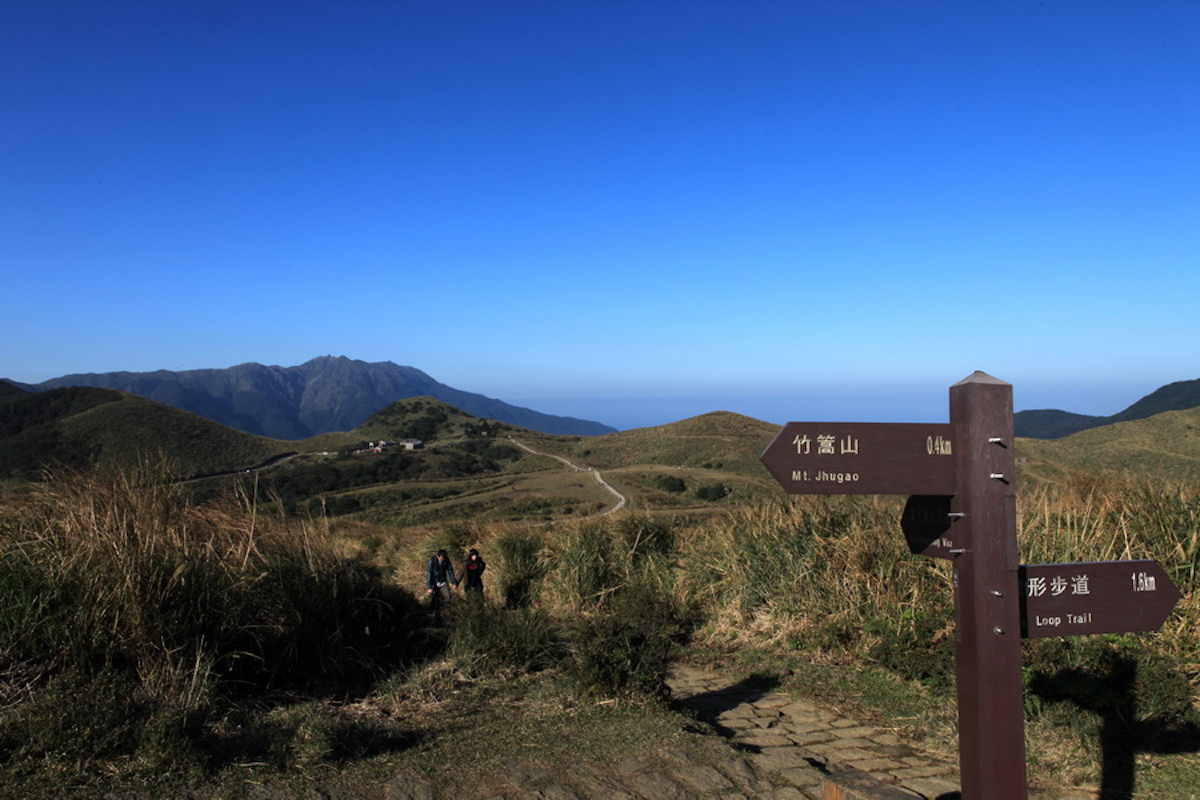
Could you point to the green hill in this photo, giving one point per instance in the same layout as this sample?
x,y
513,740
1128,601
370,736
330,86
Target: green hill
x,y
80,426
428,419
1178,396
471,467
1165,446
718,440
1054,424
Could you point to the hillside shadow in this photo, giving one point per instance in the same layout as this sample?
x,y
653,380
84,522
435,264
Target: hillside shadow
x,y
1113,696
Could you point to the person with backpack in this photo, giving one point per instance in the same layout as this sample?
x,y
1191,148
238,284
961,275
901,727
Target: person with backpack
x,y
439,580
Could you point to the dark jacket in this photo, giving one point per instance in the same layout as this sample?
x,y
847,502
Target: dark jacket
x,y
440,573
472,573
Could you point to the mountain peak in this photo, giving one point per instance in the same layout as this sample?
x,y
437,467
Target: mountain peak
x,y
326,393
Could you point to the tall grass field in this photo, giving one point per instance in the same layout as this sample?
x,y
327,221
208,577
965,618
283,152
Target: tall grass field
x,y
143,633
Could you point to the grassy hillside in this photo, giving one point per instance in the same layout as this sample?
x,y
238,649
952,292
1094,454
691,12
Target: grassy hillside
x,y
7,390
1163,447
428,419
483,471
719,440
77,427
700,465
474,469
1055,424
477,470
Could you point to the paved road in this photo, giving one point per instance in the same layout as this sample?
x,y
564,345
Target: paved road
x,y
620,498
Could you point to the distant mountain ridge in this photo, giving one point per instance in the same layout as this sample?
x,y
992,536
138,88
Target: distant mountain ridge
x,y
323,395
1054,424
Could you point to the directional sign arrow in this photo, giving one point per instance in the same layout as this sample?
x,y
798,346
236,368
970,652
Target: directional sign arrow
x,y
927,525
1094,597
863,458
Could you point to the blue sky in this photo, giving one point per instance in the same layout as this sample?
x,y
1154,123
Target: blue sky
x,y
625,211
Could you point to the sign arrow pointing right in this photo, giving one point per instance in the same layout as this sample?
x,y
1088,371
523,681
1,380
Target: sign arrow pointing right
x,y
1094,597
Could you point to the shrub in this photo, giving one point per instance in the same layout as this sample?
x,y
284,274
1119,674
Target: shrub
x,y
624,652
55,725
922,650
518,564
486,639
670,483
585,575
454,539
1116,678
712,492
119,570
645,537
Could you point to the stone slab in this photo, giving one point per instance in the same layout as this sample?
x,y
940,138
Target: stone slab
x,y
854,784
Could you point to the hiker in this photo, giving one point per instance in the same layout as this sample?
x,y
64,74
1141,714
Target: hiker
x,y
472,572
439,580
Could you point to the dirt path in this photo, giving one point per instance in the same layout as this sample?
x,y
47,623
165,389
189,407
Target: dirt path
x,y
620,498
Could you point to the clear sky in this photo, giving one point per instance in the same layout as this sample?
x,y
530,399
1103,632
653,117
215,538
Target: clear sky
x,y
632,212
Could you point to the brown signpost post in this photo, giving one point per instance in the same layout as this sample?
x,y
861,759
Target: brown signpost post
x,y
987,608
963,508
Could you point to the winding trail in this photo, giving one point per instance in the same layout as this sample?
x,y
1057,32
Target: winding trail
x,y
620,498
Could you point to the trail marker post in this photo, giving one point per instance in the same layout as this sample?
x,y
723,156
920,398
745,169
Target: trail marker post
x,y
963,508
987,603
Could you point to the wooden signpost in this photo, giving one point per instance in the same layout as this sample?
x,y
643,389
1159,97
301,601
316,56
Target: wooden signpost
x,y
963,508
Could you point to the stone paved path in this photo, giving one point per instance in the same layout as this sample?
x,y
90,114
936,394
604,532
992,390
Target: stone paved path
x,y
796,743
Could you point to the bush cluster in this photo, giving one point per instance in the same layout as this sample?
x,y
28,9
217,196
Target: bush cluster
x,y
519,565
487,639
921,649
670,483
119,590
712,492
625,652
1117,680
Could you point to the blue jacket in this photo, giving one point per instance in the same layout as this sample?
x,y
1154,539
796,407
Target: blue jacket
x,y
439,574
